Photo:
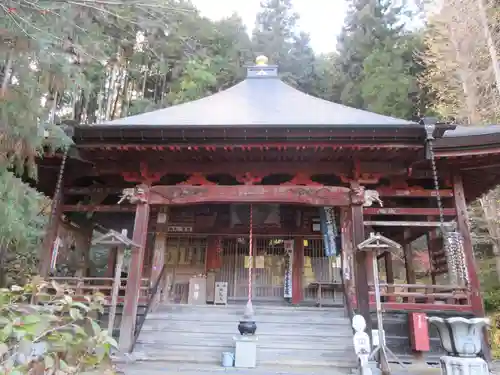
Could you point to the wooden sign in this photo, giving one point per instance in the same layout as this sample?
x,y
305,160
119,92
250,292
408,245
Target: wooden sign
x,y
179,229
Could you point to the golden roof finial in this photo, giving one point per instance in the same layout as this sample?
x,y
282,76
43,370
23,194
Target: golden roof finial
x,y
261,60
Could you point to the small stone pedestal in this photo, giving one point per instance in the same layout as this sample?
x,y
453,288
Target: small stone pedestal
x,y
463,366
245,351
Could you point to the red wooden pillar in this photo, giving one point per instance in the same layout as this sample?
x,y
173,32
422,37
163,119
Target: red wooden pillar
x,y
297,271
158,261
361,257
45,254
348,255
84,246
159,242
370,258
463,227
135,274
389,272
431,248
110,269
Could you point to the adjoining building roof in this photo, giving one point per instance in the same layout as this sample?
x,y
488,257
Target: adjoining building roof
x,y
470,136
462,131
262,99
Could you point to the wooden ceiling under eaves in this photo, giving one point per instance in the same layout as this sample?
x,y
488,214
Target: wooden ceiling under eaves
x,y
265,153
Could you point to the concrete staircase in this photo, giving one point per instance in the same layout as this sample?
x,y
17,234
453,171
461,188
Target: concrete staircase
x,y
288,337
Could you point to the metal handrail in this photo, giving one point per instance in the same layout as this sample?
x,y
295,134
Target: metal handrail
x,y
140,323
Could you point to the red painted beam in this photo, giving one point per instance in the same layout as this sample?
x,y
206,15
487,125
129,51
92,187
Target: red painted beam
x,y
413,193
246,146
93,190
423,307
311,195
408,211
98,208
169,166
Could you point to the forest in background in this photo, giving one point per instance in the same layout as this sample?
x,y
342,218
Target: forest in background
x,y
85,61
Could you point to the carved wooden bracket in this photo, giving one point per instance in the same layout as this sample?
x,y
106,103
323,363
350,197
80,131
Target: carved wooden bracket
x,y
302,179
143,176
137,195
398,182
357,195
249,178
197,179
363,178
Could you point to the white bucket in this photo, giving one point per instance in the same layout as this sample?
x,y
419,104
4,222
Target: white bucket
x,y
227,359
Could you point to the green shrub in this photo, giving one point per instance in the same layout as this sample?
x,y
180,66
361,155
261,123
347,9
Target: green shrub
x,y
59,337
495,336
492,300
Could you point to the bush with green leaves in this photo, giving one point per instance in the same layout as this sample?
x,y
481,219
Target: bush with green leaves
x,y
43,330
492,300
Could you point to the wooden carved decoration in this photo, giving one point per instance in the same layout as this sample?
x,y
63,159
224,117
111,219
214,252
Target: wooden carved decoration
x,y
133,195
372,196
314,195
366,197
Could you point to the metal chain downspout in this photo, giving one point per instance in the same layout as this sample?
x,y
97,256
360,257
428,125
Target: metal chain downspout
x,y
56,198
452,240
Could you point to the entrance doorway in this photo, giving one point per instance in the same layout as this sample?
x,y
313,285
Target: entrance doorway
x,y
269,268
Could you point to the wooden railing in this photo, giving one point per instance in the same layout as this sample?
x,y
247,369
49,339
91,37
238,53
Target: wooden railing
x,y
82,286
423,297
152,296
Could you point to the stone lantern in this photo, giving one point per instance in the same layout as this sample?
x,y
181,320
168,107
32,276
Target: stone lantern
x,y
462,339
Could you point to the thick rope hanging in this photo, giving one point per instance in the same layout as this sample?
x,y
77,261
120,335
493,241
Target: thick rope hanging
x,y
250,254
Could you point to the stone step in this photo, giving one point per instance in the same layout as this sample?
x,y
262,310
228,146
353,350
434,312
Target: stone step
x,y
221,316
226,319
287,329
287,336
264,341
290,312
241,307
287,357
159,368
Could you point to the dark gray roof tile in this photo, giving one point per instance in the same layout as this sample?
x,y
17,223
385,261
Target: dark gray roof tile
x,y
259,101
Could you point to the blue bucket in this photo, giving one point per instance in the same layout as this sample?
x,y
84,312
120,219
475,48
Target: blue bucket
x,y
227,359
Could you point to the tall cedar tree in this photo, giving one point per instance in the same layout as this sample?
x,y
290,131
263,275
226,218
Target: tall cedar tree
x,y
276,36
376,59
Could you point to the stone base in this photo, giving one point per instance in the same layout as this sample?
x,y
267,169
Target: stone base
x,y
463,366
245,351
